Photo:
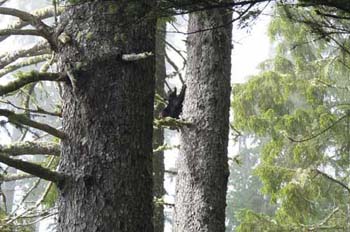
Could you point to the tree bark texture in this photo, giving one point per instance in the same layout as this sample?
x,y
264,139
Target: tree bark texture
x,y
158,134
202,164
108,116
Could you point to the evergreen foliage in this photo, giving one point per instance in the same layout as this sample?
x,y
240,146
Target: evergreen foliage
x,y
298,106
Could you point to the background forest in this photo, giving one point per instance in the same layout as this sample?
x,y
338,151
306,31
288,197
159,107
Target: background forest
x,y
289,137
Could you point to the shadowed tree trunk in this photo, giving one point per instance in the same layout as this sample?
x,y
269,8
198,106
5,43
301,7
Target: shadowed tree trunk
x,y
107,115
202,164
158,134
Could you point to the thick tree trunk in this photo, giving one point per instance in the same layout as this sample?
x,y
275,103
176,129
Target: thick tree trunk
x,y
202,164
107,115
158,134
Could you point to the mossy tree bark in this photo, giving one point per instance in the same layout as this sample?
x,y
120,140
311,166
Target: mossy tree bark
x,y
107,116
202,164
158,135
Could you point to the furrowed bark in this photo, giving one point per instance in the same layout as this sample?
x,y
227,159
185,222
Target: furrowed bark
x,y
107,115
158,137
202,164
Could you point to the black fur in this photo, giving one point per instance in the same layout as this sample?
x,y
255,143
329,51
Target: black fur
x,y
174,107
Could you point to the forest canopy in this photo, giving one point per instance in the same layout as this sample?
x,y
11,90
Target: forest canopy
x,y
298,110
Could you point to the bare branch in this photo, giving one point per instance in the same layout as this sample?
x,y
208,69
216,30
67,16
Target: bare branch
x,y
3,196
170,205
175,68
2,2
164,147
38,109
31,148
37,49
319,133
171,172
26,79
8,32
44,30
336,16
33,169
28,62
23,119
8,178
30,190
135,57
170,123
326,219
334,180
41,14
29,210
236,133
338,4
195,6
39,217
178,52
48,63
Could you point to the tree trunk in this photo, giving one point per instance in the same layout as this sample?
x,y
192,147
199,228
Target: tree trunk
x,y
107,115
202,164
158,134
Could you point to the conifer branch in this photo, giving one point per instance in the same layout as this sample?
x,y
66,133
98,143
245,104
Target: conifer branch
x,y
187,7
37,110
9,32
43,13
171,172
170,123
334,180
319,133
42,29
8,178
27,78
2,2
178,52
33,169
177,70
27,62
24,120
164,147
136,56
31,148
37,49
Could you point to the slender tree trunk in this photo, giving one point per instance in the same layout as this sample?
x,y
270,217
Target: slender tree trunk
x,y
107,115
202,165
158,135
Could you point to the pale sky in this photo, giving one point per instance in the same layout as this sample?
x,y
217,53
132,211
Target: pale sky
x,y
249,50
